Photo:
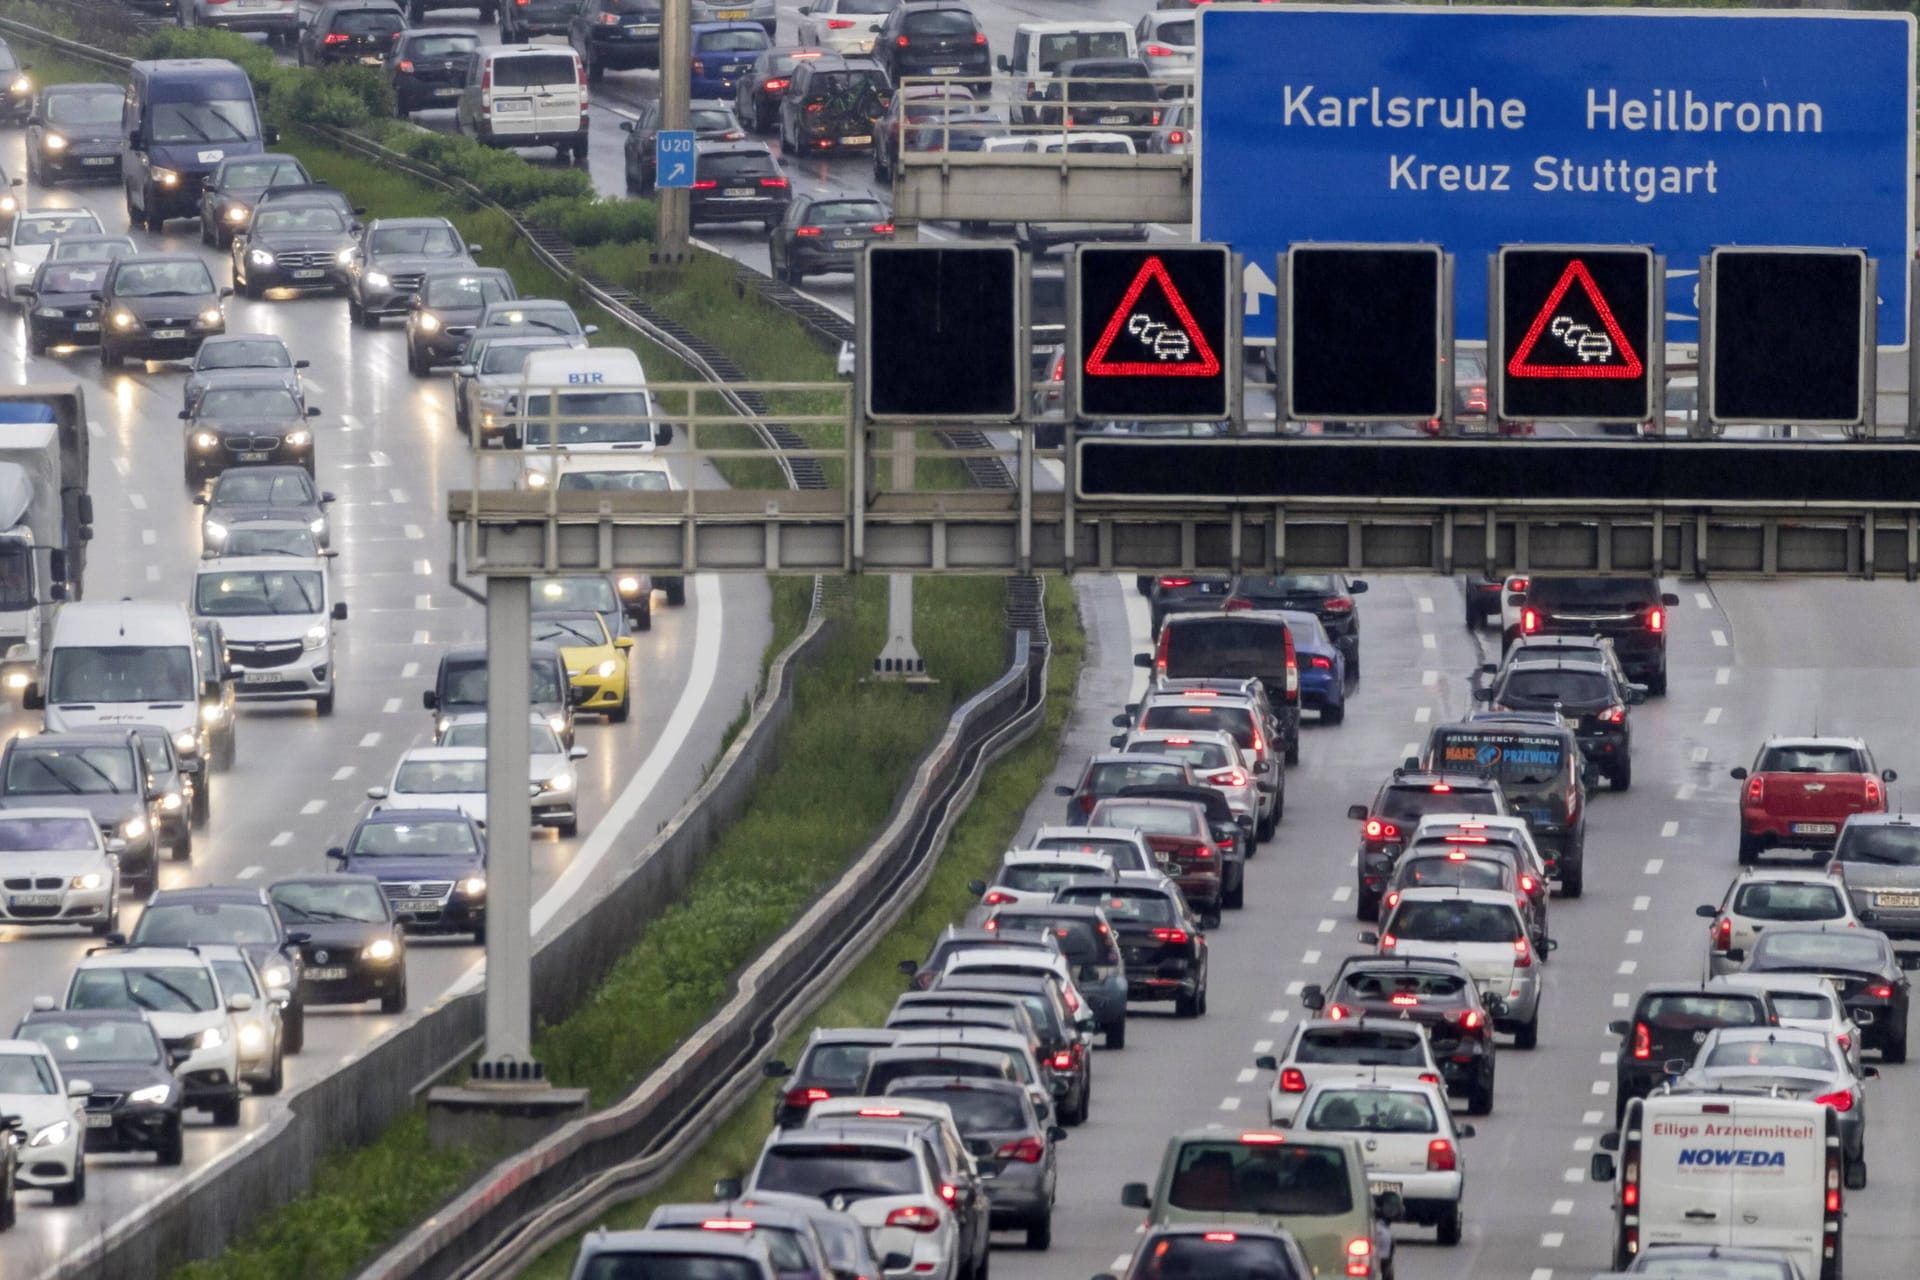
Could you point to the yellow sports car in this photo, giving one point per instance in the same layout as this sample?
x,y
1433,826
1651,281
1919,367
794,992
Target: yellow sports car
x,y
596,660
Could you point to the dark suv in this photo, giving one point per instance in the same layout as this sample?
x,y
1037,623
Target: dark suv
x,y
1438,994
1537,761
1669,1022
1112,95
1327,596
1632,612
1388,823
615,35
934,38
427,67
834,103
351,31
738,182
1588,697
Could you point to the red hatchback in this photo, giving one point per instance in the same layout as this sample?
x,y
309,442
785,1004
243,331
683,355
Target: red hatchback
x,y
1178,830
1801,791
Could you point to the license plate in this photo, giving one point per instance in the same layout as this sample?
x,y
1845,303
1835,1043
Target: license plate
x,y
86,326
326,975
737,192
255,4
447,91
846,244
35,899
309,273
730,15
253,455
169,333
858,139
1381,1188
1814,828
416,905
645,29
99,1119
99,160
261,677
1896,899
512,107
946,71
1113,119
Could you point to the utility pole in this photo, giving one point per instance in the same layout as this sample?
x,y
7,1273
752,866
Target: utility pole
x,y
898,659
509,830
676,86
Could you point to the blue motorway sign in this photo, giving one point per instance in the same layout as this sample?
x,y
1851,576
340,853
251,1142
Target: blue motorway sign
x,y
1474,128
673,158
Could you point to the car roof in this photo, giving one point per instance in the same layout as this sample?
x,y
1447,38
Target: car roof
x,y
537,649
1792,1035
701,27
1049,857
743,147
88,1015
1402,964
772,1215
249,894
245,376
402,817
1429,777
259,564
1132,757
852,1035
719,1244
1361,1021
843,1131
387,224
1453,893
1857,743
443,753
1785,875
1129,834
1899,819
105,735
323,877
33,1047
129,957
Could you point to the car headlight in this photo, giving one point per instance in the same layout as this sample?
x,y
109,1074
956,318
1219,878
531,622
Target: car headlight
x,y
206,440
277,975
50,312
237,213
54,142
557,723
429,321
344,257
88,880
212,530
299,439
379,279
381,949
133,828
21,85
473,886
251,1038
154,1095
187,742
8,204
318,524
123,320
212,712
259,257
536,479
314,638
628,585
53,1135
212,316
17,680
211,1038
606,668
24,268
170,802
559,783
166,177
441,725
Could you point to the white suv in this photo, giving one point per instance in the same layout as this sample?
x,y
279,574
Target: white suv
x,y
1324,1050
55,869
277,613
177,990
52,1111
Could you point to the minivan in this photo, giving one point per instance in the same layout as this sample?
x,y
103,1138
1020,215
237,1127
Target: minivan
x,y
527,96
460,686
278,614
1256,643
1040,47
1536,760
183,116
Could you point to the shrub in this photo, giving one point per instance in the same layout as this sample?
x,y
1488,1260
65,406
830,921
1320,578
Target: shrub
x,y
596,222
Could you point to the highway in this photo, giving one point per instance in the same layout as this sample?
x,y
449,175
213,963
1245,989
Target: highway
x,y
386,445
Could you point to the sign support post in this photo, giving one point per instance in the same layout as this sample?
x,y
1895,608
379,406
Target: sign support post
x,y
1913,350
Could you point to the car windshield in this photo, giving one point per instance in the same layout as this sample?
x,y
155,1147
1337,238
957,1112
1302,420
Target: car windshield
x,y
1845,950
1622,592
737,165
1445,872
603,417
1065,46
617,481
80,277
541,739
1556,684
173,988
1411,802
939,22
1811,759
860,211
552,318
45,228
521,71
329,902
27,1073
413,839
1373,1110
220,120
83,106
586,592
1886,846
263,172
262,488
1126,854
1795,1055
95,1041
1525,759
1204,755
39,835
502,357
120,673
1456,920
1156,819
712,120
162,280
442,46
1199,714
258,593
248,402
289,540
731,41
1107,777
863,6
1801,1005
1175,33
156,744
974,1110
441,777
1268,1178
1361,1046
844,1065
90,249
243,353
846,1170
1790,901
466,682
783,1245
430,242
316,219
1075,938
367,22
1681,1012
570,631
179,924
465,290
1123,906
1041,877
611,1264
52,771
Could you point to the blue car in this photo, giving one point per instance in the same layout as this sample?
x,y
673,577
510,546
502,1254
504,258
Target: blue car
x,y
1323,667
431,864
723,52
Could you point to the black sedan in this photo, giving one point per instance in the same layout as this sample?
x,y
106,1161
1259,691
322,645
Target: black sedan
x,y
738,182
615,35
62,305
135,1104
757,94
246,420
355,949
158,307
431,864
1862,964
711,119
235,916
825,233
350,31
296,247
1327,596
427,66
228,194
74,131
1172,593
219,356
254,494
443,313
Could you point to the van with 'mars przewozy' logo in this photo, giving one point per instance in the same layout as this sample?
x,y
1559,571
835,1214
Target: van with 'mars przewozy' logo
x,y
1536,760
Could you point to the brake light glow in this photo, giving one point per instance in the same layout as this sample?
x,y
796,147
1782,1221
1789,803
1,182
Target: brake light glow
x,y
1466,840
406,65
839,24
1321,662
1293,1080
1522,954
884,1113
1441,1157
1378,830
1642,1041
1157,51
1833,1182
1219,1237
336,37
1335,1012
883,228
705,184
915,1217
1518,584
1756,789
1176,582
979,37
1393,899
901,41
726,1224
1337,604
1873,791
1428,1077
1529,621
1027,1150
1199,693
1528,884
806,231
1880,993
1179,742
1613,715
807,1097
1456,855
1842,1100
1388,942
1360,1257
1063,1061
1656,619
1441,788
1177,937
1470,1019
775,85
1262,1139
1177,137
773,182
1231,778
996,898
1406,1002
1723,933
949,1192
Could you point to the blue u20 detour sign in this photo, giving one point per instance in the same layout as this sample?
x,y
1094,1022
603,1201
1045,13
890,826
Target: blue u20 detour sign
x,y
1474,128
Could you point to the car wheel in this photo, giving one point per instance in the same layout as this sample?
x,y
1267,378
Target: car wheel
x,y
569,830
110,361
1040,1233
172,1148
369,319
1187,1006
1857,1174
395,1001
323,705
1657,685
1366,906
415,365
642,618
294,1028
1333,713
1895,1050
9,1212
110,922
223,750
1116,1034
1263,828
676,592
1573,882
1293,752
35,343
1527,1036
275,1081
183,851
226,1114
1450,1225
1480,1097
596,70
252,290
76,1191
202,802
155,222
1622,777
619,713
354,314
1236,897
206,228
1749,851
480,936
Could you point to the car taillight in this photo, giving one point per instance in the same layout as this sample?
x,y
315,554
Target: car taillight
x,y
1841,1100
1360,1257
1833,1187
1177,136
705,184
580,78
1517,585
1470,1019
1176,582
1293,1080
773,182
1881,992
1405,1001
1873,791
901,41
1237,603
406,65
1063,1061
1231,778
1656,619
335,37
1337,604
1846,1042
1529,621
1378,830
775,85
1160,656
1157,51
839,24
1200,853
1528,884
1642,1041
806,231
1321,663
883,228
1522,954
979,37
1613,715
1723,934
1087,802
1388,942
1335,1012
1441,1157
1028,1150
1393,900
727,1224
915,1217
1177,937
1756,789
807,1097
997,898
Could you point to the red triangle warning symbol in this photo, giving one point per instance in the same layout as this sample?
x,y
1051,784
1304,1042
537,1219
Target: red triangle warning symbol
x,y
1158,348
1581,352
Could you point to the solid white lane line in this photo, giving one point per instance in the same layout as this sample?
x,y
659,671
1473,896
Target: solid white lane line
x,y
1720,639
1723,675
371,740
312,807
392,706
1669,830
281,841
344,772
1654,865
1422,714
1642,902
1712,716
248,873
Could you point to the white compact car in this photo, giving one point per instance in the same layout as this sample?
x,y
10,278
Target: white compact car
x,y
23,249
53,1119
58,870
456,778
1410,1141
550,765
1029,877
259,1041
1770,896
1335,1050
1483,930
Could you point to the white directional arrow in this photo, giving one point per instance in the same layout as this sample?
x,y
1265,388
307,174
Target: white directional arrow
x,y
1256,283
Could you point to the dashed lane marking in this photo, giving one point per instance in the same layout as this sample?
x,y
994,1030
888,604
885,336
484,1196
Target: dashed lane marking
x,y
1669,829
409,671
1562,1208
1541,1273
1654,865
1422,714
1699,755
1429,678
138,501
1410,749
1229,1104
1627,968
1574,1175
248,873
392,706
1428,640
1583,1143
421,637
1327,925
281,841
1343,893
1719,639
1247,1075
1552,1240
344,772
423,603
1635,937
1684,791
1642,902
1601,1088
153,573
1277,1016
1263,1046
1611,1058
414,532
1591,1117
399,496
1295,987
1620,1000
1310,958
379,459
1712,716
423,567
312,807
371,740
148,537
1723,676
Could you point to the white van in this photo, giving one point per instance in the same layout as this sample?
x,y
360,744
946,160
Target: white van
x,y
531,95
126,662
1039,47
277,613
594,401
1736,1169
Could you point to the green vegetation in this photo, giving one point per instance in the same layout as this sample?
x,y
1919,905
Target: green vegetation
x,y
982,833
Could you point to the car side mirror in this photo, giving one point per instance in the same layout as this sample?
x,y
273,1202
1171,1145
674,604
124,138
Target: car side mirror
x,y
429,699
1888,775
1056,1134
116,845
775,1069
1357,812
1495,1006
1738,773
727,1189
1862,1017
576,753
1005,67
1465,1131
623,642
626,126
1609,1141
1389,1207
270,135
1118,740
44,1004
1143,660
1368,938
31,699
296,937
326,496
1134,1196
977,888
1636,694
226,293
199,499
1483,694
475,248
1600,1167
1869,1073
376,793
303,364
1590,774
1314,998
1267,1062
79,1088
1411,764
1675,1066
240,1003
313,411
1357,587
578,694
907,968
1549,944
1706,911
336,854
1669,599
467,371
340,611
588,330
1063,790
1618,1027
184,415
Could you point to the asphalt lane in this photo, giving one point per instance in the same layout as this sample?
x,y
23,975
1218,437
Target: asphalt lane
x,y
387,447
